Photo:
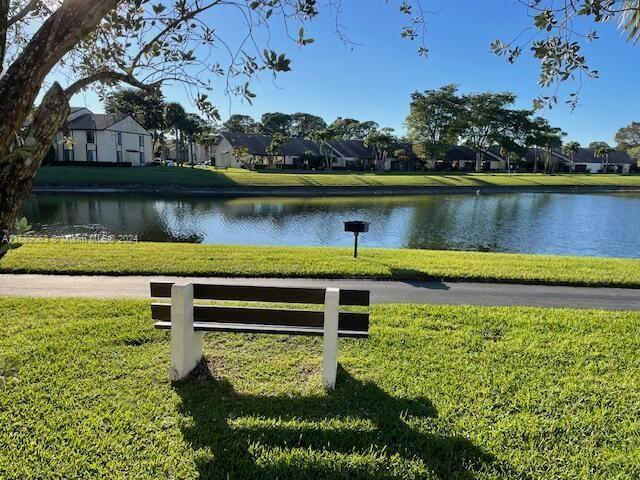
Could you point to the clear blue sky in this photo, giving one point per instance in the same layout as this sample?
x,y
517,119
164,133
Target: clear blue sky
x,y
373,81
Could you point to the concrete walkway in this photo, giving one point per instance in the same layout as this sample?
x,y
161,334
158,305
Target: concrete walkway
x,y
448,293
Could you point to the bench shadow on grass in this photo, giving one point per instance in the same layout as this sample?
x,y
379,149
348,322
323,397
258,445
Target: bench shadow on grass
x,y
411,276
286,423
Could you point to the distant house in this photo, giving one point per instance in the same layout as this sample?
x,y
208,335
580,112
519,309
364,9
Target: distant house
x,y
346,155
355,155
253,144
457,158
493,160
407,162
351,155
102,138
193,153
291,155
586,160
295,152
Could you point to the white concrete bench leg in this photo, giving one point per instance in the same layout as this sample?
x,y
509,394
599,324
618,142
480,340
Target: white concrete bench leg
x,y
330,349
186,344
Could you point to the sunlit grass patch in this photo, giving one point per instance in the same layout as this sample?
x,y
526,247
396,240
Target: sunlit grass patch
x,y
253,261
209,177
435,392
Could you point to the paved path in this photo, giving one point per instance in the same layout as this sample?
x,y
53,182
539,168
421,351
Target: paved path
x,y
450,293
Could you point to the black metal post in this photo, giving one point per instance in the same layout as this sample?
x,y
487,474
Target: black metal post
x,y
355,246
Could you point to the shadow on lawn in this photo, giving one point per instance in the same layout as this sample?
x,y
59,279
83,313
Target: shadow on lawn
x,y
411,276
212,404
427,284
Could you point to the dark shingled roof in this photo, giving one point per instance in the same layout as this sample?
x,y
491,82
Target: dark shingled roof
x,y
588,156
72,110
299,146
95,121
352,149
584,155
531,155
408,150
256,144
494,154
460,153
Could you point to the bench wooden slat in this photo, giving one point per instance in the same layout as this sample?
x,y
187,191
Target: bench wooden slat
x,y
267,329
250,293
262,316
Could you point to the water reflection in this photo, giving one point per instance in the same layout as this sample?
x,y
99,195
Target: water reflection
x,y
598,224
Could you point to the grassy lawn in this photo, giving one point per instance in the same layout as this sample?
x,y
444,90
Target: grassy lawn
x,y
436,392
214,260
204,177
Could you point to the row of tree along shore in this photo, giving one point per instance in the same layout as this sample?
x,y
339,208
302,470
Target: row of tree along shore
x,y
438,120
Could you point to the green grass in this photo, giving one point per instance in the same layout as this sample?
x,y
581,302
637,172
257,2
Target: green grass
x,y
204,177
215,260
434,393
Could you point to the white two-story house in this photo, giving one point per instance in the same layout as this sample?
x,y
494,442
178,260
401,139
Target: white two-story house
x,y
97,137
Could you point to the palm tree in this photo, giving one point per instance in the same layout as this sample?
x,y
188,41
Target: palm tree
x,y
176,119
382,143
505,152
208,140
603,151
322,138
571,149
278,140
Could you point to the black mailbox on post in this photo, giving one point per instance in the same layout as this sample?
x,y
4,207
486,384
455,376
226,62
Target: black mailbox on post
x,y
356,227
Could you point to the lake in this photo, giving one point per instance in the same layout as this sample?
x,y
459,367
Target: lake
x,y
569,224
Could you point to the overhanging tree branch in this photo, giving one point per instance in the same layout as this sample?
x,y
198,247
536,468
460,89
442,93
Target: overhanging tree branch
x,y
60,33
30,7
110,76
171,26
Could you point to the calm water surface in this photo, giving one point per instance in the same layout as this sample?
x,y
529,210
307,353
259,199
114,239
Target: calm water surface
x,y
589,224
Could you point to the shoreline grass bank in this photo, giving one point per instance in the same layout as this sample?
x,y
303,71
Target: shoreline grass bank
x,y
317,262
434,393
242,182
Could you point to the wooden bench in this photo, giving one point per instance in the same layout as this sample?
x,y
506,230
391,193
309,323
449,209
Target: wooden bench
x,y
188,322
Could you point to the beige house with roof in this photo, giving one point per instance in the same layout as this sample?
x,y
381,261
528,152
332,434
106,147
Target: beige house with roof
x,y
100,138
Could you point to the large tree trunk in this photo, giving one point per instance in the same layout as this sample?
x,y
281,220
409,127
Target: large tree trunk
x,y
19,87
478,161
20,166
547,163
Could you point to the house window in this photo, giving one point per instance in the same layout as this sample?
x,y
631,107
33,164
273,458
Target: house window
x,y
119,138
91,137
118,156
141,140
91,156
141,158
